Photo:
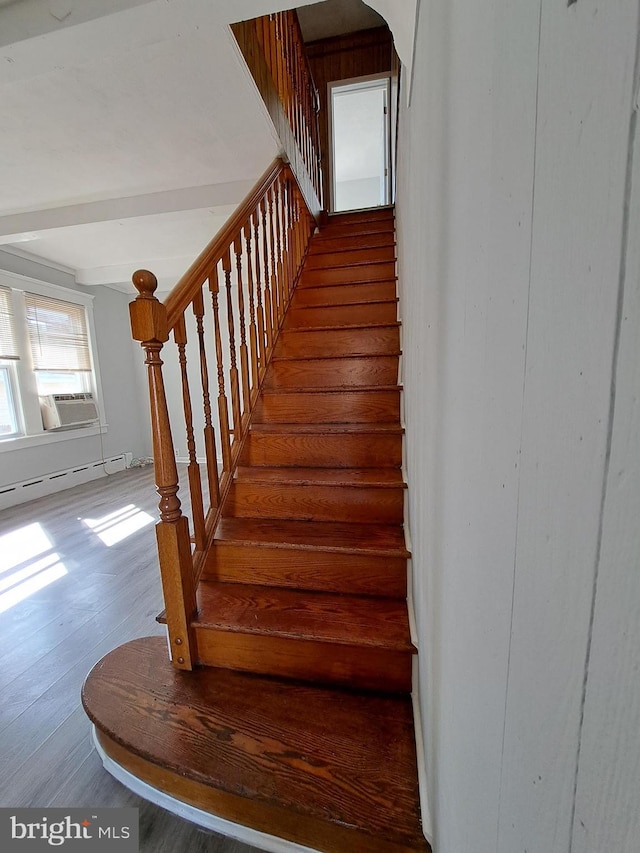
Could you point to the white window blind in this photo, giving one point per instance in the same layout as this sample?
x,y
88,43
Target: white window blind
x,y
57,334
8,345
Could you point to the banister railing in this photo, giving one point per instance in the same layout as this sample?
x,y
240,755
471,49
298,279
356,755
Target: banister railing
x,y
278,38
224,316
281,39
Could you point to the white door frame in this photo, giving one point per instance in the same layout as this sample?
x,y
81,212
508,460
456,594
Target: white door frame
x,y
355,81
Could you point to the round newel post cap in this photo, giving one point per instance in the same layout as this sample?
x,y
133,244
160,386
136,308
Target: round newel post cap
x,y
145,283
148,314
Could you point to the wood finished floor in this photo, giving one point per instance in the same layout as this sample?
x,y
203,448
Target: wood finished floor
x,y
51,639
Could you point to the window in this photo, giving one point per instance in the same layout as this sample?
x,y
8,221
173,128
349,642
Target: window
x,y
9,421
45,348
9,424
59,345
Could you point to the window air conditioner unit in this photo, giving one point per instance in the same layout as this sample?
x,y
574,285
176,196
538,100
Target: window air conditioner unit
x,y
60,411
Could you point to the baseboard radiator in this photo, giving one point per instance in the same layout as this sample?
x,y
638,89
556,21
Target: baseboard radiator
x,y
47,484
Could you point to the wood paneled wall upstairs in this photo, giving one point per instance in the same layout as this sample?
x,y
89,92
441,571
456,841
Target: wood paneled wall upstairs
x,y
341,58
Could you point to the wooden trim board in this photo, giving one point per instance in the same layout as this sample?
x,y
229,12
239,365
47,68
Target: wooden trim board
x,y
186,811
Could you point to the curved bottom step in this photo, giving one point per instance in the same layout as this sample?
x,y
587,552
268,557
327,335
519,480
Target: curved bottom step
x,y
206,820
331,770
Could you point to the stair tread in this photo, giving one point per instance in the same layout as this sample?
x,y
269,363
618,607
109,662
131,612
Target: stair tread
x,y
328,287
333,328
373,263
339,242
328,429
341,759
329,389
332,371
350,220
332,357
388,243
343,264
358,477
359,217
356,229
350,620
352,306
384,540
304,282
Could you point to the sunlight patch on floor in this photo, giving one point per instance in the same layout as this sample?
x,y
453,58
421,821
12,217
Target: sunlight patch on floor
x,y
116,526
27,564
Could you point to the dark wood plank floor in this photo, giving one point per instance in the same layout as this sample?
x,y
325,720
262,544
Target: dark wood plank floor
x,y
104,596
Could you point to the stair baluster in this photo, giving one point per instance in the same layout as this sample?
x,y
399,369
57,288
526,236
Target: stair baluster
x,y
253,335
223,408
288,236
279,278
209,431
268,305
233,371
193,469
262,343
274,278
244,352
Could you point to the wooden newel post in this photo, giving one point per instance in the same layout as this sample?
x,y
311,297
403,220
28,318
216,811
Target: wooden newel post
x,y
149,326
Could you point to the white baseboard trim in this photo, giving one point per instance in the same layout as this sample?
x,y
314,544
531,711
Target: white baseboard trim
x,y
47,484
425,811
201,460
262,840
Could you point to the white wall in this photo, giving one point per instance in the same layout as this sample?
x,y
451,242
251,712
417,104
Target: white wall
x,y
607,813
513,160
122,399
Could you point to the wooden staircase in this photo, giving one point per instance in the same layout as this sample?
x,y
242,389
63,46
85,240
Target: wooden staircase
x,y
297,720
319,490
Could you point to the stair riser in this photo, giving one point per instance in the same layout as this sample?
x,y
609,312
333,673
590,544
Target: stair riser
x,y
374,214
355,407
352,256
325,663
359,225
383,340
357,229
333,372
342,315
344,294
365,504
301,568
345,275
323,451
321,245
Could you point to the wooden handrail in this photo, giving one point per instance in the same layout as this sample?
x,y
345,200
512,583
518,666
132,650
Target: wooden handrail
x,y
187,286
232,302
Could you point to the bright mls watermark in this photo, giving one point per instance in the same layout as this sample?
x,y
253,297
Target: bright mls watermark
x,y
80,830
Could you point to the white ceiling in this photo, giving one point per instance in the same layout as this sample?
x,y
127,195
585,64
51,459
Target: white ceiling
x,y
336,17
130,130
126,140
